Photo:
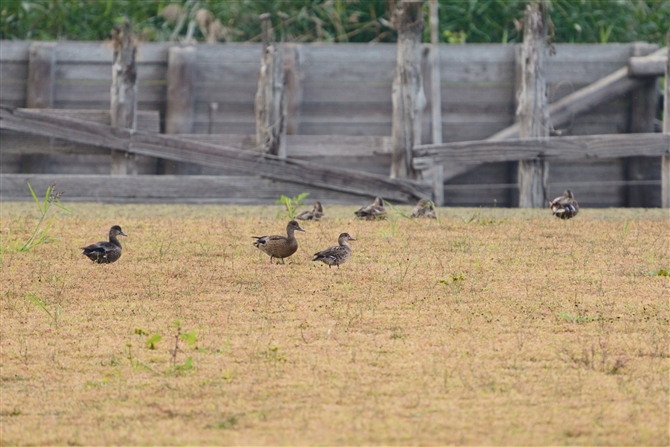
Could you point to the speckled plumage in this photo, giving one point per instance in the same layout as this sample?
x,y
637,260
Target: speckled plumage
x,y
375,211
279,246
338,254
315,214
565,206
424,208
106,252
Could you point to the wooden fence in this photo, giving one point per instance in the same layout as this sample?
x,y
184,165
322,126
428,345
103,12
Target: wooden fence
x,y
341,98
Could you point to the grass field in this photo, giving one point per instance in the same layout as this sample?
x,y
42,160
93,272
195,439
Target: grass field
x,y
484,327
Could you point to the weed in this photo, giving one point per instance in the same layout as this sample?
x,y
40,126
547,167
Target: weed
x,y
662,272
190,338
577,318
41,235
292,204
40,302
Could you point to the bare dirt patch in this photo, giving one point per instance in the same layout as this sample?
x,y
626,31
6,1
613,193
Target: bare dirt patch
x,y
483,327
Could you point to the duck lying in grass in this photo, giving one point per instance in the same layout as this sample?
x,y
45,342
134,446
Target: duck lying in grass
x,y
424,208
106,252
279,246
372,212
338,254
315,214
565,206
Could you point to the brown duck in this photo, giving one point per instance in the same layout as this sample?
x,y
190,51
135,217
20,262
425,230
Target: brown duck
x,y
279,246
565,206
372,212
315,214
338,254
424,208
106,252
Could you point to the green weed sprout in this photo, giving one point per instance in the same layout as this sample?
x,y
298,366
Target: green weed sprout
x,y
292,204
41,235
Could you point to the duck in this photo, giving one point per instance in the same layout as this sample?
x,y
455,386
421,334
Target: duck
x,y
338,254
315,214
106,252
565,206
372,212
424,208
279,246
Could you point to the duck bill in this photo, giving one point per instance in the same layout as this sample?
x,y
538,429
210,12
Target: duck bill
x,y
301,229
351,238
123,234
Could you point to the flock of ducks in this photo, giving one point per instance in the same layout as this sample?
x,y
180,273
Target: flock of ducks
x,y
282,247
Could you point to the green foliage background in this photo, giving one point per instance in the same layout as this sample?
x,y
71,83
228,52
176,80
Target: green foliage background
x,y
578,21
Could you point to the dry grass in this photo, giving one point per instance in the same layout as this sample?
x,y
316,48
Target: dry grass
x,y
485,327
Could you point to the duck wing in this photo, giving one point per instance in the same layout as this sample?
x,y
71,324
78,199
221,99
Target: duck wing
x,y
305,215
263,240
99,247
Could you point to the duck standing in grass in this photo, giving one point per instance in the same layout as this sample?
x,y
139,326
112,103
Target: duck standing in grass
x,y
279,246
338,254
565,206
424,208
106,252
315,214
376,211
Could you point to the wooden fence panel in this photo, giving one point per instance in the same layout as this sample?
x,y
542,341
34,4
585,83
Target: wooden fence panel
x,y
199,189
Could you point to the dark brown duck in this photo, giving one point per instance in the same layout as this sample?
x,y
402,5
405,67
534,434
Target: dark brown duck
x,y
106,252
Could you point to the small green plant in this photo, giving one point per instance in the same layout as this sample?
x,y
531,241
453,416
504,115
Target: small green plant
x,y
662,272
292,204
40,302
190,338
41,235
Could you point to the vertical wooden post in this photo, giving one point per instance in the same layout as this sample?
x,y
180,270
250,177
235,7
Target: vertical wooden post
x,y
40,90
643,107
293,82
123,110
665,167
533,112
436,101
407,93
435,93
270,97
180,110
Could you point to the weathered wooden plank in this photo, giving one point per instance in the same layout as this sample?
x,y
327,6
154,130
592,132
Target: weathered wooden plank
x,y
14,51
175,148
40,87
147,120
180,92
643,107
103,72
307,145
101,52
641,66
555,148
199,189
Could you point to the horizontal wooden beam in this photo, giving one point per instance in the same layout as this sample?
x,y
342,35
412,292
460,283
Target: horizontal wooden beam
x,y
200,189
645,66
179,149
554,148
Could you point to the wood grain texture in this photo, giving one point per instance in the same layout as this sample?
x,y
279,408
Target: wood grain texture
x,y
179,149
554,148
642,66
200,189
